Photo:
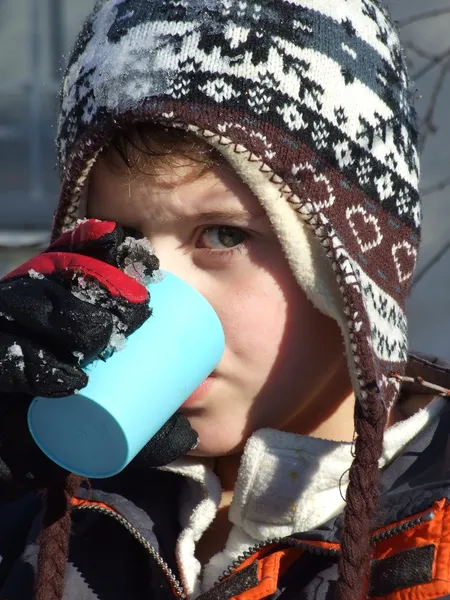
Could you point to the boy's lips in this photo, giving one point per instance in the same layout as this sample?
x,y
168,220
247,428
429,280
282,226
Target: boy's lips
x,y
202,389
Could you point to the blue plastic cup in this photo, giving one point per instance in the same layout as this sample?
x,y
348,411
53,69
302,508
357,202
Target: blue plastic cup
x,y
130,396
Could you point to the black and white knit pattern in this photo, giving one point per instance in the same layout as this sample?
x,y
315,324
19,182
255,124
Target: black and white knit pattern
x,y
323,75
268,62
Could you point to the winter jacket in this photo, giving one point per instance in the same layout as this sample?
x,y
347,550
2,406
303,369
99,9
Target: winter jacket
x,y
125,530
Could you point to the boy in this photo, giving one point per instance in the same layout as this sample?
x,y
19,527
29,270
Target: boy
x,y
268,152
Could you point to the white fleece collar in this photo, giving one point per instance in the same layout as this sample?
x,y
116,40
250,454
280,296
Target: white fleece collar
x,y
292,483
287,483
199,503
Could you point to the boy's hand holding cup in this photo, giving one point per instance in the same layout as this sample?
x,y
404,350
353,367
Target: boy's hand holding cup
x,y
74,303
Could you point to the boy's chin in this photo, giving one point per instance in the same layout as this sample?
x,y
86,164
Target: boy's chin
x,y
199,454
216,450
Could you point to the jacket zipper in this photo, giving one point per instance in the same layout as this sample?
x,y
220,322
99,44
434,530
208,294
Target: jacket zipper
x,y
429,516
289,542
173,581
317,550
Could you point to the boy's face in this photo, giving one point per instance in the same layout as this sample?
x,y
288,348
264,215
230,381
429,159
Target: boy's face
x,y
282,356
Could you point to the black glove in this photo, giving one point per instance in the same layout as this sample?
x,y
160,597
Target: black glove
x,y
58,312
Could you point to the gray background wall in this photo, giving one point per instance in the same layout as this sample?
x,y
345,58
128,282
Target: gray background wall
x,y
33,48
32,52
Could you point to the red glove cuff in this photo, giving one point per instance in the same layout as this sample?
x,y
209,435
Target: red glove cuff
x,y
113,279
90,230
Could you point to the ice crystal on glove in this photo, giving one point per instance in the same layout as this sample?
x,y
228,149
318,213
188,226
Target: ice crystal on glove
x,y
137,259
90,291
5,316
15,352
35,275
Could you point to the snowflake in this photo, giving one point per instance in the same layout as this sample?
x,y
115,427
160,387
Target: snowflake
x,y
343,154
385,186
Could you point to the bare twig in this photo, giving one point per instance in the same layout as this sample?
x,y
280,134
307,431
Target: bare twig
x,y
434,61
432,386
430,61
431,14
437,187
419,51
427,125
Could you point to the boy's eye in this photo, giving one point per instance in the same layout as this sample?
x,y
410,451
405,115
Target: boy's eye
x,y
222,237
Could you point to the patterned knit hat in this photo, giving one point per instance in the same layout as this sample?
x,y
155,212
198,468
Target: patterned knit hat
x,y
309,101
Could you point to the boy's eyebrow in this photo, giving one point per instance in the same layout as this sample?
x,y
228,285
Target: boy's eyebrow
x,y
213,216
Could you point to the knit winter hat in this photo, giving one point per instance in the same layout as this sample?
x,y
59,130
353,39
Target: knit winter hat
x,y
309,101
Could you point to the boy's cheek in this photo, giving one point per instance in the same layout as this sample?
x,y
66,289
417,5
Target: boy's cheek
x,y
252,308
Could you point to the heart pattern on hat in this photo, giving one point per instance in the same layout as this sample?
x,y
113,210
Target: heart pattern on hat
x,y
405,256
365,228
322,196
